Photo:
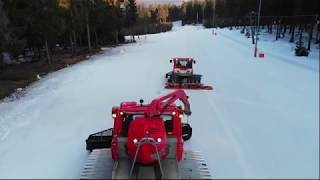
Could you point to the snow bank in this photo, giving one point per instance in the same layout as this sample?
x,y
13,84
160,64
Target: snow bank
x,y
261,120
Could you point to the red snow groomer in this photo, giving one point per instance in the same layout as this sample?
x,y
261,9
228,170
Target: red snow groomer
x,y
182,76
146,142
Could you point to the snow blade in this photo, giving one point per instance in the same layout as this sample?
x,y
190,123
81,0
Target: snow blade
x,y
99,140
188,86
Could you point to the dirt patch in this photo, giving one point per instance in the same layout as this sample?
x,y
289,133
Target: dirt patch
x,y
13,77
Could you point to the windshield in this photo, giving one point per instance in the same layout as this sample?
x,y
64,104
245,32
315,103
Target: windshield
x,y
184,63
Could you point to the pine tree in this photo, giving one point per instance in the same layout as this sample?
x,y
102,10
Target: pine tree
x,y
154,15
300,49
132,15
15,33
4,34
208,13
132,12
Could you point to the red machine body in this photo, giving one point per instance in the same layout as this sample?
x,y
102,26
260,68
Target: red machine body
x,y
183,66
140,122
183,77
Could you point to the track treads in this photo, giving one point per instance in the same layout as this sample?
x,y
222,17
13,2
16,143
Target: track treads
x,y
101,166
188,86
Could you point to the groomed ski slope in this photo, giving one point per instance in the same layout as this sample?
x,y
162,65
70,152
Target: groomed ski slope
x,y
260,121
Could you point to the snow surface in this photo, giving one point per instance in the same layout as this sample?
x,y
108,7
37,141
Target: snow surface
x,y
260,121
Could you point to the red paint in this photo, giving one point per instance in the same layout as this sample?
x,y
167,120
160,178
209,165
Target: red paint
x,y
182,63
144,127
261,55
149,119
186,70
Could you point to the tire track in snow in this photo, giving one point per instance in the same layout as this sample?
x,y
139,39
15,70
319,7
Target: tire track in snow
x,y
227,128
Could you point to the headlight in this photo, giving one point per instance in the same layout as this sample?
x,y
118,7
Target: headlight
x,y
135,141
114,115
180,116
121,113
159,140
173,113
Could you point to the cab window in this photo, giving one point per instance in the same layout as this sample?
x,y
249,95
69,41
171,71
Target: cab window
x,y
184,63
168,123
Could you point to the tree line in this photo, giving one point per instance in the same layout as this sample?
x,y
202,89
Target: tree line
x,y
41,28
279,17
236,12
155,18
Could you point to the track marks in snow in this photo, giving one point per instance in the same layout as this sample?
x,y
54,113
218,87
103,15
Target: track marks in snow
x,y
228,130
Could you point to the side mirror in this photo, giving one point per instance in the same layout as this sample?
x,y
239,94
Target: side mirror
x,y
170,61
194,61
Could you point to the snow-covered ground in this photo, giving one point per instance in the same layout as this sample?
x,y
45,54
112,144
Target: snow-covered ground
x,y
261,120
